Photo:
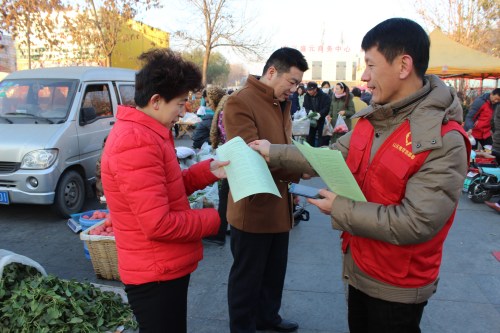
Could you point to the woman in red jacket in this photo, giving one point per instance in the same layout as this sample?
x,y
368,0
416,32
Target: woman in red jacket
x,y
158,236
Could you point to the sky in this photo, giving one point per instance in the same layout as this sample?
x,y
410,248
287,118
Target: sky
x,y
289,22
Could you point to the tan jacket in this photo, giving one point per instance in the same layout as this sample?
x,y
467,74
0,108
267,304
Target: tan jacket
x,y
254,113
431,194
358,106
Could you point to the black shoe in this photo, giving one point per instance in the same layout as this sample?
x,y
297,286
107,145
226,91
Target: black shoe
x,y
283,326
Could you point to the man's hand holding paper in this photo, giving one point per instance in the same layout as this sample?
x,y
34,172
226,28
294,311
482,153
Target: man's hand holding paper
x,y
248,172
330,166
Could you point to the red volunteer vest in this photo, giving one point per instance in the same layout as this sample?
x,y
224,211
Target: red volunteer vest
x,y
384,181
482,126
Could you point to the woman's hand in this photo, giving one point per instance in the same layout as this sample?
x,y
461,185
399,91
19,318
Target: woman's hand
x,y
324,204
262,147
342,113
328,118
217,168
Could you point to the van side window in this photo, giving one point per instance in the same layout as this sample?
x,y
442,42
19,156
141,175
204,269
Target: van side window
x,y
97,97
127,92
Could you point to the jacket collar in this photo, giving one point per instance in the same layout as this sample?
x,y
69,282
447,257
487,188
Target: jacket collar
x,y
268,92
128,113
427,109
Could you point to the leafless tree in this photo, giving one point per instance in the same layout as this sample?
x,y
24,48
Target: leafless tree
x,y
221,28
475,23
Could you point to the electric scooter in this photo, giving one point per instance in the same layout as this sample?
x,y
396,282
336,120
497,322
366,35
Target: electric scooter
x,y
484,184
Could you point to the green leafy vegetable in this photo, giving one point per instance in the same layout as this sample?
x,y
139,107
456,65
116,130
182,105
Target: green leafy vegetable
x,y
30,302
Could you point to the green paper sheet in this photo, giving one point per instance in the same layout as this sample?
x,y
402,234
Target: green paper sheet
x,y
248,172
331,167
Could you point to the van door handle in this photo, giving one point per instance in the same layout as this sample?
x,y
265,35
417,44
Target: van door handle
x,y
112,123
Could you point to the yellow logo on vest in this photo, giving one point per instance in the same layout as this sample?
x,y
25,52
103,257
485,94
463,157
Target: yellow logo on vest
x,y
403,150
408,138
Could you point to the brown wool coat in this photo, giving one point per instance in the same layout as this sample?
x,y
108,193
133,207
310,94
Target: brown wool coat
x,y
254,113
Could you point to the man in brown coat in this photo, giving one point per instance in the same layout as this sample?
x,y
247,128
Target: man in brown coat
x,y
260,224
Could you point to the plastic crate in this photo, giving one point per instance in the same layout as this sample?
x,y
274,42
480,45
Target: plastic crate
x,y
102,250
87,223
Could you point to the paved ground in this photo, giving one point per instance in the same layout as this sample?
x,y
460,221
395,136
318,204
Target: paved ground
x,y
467,300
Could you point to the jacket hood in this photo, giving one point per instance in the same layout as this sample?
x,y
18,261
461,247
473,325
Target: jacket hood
x,y
485,97
427,109
440,106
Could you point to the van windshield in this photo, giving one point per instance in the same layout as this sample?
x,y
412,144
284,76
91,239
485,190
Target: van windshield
x,y
40,99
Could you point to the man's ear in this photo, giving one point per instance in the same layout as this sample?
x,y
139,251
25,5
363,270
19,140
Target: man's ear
x,y
406,66
271,71
154,100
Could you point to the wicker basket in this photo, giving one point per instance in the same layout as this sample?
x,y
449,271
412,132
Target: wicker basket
x,y
102,251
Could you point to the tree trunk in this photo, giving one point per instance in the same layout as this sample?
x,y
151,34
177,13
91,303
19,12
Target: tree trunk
x,y
205,66
28,39
29,51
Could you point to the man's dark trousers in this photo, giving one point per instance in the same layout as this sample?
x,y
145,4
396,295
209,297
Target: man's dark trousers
x,y
369,314
256,279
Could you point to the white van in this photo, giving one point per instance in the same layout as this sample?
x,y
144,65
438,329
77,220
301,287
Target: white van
x,y
53,122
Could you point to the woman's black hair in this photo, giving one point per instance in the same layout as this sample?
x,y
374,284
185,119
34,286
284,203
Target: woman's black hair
x,y
346,91
164,72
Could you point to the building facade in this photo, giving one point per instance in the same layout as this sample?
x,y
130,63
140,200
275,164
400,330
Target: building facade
x,y
332,62
7,55
138,37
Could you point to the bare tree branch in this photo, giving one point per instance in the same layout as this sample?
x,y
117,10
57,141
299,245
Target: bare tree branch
x,y
475,23
221,29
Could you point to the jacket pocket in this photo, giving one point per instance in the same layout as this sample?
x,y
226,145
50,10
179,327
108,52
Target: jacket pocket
x,y
395,174
382,260
355,155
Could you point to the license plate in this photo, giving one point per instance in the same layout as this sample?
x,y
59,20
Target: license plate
x,y
4,197
471,174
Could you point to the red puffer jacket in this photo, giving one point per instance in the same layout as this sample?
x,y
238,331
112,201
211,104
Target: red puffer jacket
x,y
479,117
158,236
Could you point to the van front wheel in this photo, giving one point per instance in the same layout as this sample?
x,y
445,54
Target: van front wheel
x,y
70,194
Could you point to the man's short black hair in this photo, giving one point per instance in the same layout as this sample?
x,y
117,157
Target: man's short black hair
x,y
164,72
356,92
285,58
496,92
397,36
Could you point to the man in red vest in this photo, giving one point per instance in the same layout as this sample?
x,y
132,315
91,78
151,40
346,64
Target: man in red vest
x,y
409,155
478,119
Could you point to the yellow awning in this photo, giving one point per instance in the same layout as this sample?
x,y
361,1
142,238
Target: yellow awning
x,y
451,59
